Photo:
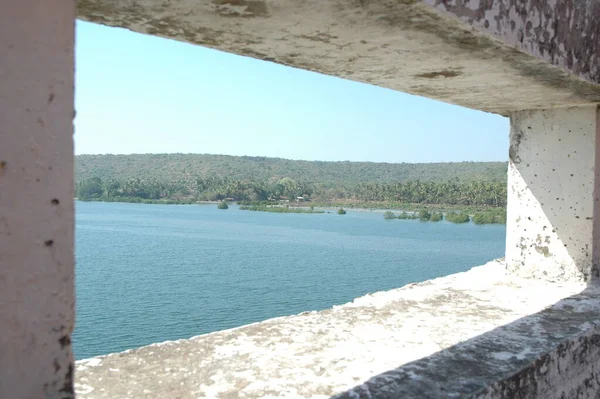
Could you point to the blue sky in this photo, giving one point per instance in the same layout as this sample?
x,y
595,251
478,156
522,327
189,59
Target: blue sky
x,y
141,94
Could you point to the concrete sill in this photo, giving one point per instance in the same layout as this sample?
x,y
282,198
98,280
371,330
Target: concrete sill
x,y
475,334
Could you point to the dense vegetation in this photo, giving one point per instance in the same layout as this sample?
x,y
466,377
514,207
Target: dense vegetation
x,y
478,193
497,215
458,217
490,216
436,217
259,183
186,168
423,215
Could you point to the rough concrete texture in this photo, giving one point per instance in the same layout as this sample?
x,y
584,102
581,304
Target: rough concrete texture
x,y
429,48
551,184
36,198
455,336
565,33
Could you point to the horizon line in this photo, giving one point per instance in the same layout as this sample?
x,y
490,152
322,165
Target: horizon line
x,y
287,159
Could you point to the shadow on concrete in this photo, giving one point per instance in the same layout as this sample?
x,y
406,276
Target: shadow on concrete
x,y
550,354
550,227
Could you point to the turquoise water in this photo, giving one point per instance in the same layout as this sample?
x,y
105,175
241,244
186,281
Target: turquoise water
x,y
150,273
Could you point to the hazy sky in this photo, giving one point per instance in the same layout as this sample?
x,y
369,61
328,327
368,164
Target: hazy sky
x,y
141,94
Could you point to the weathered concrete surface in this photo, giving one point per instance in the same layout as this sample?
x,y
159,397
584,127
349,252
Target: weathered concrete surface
x,y
569,371
457,51
564,33
551,194
36,198
451,337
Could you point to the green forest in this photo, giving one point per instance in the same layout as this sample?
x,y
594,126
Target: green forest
x,y
260,182
474,193
186,168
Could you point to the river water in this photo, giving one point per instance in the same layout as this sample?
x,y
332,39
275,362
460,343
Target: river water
x,y
150,273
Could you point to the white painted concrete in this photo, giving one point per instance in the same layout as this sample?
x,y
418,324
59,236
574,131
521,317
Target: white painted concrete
x,y
36,198
551,182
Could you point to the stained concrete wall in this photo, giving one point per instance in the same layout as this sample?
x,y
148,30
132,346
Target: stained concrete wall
x,y
36,198
521,55
551,184
564,33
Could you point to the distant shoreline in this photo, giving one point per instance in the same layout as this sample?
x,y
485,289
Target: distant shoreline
x,y
478,215
307,205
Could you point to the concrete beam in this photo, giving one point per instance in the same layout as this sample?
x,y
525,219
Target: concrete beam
x,y
553,194
496,55
563,33
36,198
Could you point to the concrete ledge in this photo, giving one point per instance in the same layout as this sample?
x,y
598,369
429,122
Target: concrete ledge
x,y
478,334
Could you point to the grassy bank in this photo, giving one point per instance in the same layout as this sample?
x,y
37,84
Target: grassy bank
x,y
403,206
137,200
277,209
424,212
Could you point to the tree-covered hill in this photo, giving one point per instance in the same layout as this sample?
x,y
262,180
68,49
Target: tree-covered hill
x,y
188,167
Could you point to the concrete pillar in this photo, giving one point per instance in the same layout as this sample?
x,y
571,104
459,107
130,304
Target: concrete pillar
x,y
552,198
36,198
